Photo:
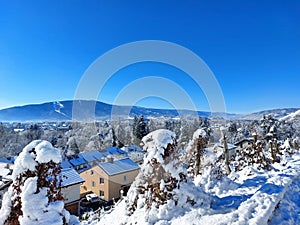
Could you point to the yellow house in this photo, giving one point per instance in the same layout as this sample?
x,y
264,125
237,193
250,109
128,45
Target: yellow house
x,y
107,179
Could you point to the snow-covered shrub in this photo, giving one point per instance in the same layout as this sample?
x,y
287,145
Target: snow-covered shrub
x,y
34,196
162,184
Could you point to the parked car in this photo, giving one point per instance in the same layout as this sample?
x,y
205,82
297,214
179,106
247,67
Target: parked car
x,y
92,198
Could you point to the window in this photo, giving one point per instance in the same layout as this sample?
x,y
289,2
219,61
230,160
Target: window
x,y
92,172
125,178
101,193
101,180
93,183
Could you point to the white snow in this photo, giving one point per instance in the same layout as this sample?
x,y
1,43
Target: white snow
x,y
240,198
156,142
291,116
36,207
36,151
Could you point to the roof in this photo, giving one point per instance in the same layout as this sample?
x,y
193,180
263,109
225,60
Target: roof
x,y
65,163
116,150
7,160
5,175
93,155
244,140
70,177
119,166
230,146
77,160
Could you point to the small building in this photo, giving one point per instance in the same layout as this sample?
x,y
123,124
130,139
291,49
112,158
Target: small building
x,y
135,153
244,143
231,148
70,189
108,179
8,162
5,176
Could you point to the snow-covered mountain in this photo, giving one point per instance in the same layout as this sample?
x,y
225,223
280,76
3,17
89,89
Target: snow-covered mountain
x,y
62,110
57,111
292,116
277,113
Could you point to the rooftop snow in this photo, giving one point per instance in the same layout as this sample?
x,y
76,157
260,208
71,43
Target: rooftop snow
x,y
119,166
70,177
230,146
93,155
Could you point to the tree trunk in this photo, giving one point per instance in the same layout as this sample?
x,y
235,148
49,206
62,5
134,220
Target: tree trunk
x,y
226,152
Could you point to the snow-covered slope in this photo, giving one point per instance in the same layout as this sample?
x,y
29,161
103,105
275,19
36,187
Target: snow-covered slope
x,y
291,116
247,197
277,113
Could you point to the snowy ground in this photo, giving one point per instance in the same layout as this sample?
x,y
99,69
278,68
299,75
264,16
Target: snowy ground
x,y
247,197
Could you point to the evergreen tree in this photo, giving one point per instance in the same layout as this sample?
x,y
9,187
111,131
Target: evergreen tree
x,y
140,128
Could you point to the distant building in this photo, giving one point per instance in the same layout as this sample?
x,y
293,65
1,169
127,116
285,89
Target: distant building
x,y
70,188
8,162
107,179
243,144
6,168
231,148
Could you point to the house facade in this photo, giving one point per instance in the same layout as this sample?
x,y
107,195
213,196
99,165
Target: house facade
x,y
245,143
108,179
70,189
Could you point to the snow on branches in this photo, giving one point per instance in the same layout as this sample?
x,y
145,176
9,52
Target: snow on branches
x,y
35,196
162,184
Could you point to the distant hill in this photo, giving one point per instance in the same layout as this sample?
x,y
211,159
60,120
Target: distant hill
x,y
62,111
59,111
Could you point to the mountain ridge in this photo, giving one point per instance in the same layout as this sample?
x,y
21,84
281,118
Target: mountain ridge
x,y
62,110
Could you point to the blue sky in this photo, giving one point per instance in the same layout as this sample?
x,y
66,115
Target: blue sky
x,y
252,47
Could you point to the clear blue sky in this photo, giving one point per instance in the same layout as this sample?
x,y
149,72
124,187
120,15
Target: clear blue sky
x,y
253,47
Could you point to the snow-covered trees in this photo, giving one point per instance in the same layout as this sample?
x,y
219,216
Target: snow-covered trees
x,y
162,184
139,127
194,152
226,151
35,197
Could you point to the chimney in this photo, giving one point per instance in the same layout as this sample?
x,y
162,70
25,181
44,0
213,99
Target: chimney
x,y
110,159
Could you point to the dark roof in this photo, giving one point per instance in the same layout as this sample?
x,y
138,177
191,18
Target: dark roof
x,y
116,150
77,160
9,160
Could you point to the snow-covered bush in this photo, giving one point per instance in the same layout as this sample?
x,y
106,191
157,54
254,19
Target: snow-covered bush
x,y
34,196
162,185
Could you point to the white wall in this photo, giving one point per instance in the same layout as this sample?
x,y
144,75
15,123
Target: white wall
x,y
71,193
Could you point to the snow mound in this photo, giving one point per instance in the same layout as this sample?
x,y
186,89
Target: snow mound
x,y
156,142
36,152
34,196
